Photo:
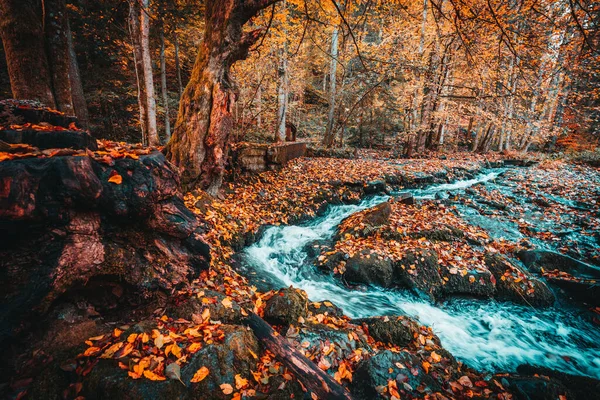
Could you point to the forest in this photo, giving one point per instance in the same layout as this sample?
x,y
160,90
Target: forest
x,y
304,199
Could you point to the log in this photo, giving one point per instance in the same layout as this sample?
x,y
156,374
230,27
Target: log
x,y
312,377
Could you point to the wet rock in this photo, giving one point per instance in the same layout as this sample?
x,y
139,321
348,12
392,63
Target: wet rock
x,y
286,306
535,260
382,367
193,307
325,307
400,330
446,234
584,290
536,388
365,222
343,340
369,268
224,360
375,187
580,387
476,283
419,269
519,286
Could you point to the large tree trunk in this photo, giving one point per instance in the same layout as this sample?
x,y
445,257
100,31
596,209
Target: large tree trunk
x,y
57,49
23,40
205,122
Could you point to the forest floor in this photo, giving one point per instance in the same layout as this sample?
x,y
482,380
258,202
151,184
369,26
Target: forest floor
x,y
191,333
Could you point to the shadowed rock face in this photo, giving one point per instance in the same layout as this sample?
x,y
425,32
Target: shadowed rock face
x,y
62,222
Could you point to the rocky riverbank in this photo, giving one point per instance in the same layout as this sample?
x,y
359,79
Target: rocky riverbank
x,y
105,335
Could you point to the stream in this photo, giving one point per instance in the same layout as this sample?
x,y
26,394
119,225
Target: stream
x,y
485,334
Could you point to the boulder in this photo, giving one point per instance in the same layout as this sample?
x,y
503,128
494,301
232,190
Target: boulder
x,y
325,307
65,223
286,306
475,282
191,308
399,331
365,222
379,369
224,360
369,268
375,187
535,260
419,270
579,387
516,285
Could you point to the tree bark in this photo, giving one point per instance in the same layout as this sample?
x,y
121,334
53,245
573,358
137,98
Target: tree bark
x,y
57,50
178,66
140,31
23,40
163,83
153,139
312,377
282,91
329,133
205,122
77,94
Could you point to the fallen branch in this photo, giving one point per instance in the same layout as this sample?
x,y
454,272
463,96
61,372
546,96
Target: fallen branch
x,y
312,377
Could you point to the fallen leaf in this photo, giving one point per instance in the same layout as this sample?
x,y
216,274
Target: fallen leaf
x,y
200,375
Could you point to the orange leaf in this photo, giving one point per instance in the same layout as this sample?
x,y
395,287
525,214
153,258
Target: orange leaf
x,y
226,388
115,178
200,375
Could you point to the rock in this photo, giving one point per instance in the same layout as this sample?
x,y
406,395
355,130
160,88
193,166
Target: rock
x,y
419,269
50,139
476,283
325,307
584,290
286,306
382,367
536,388
535,260
446,234
404,198
365,222
65,224
579,387
224,360
400,330
194,306
369,268
519,286
343,340
375,187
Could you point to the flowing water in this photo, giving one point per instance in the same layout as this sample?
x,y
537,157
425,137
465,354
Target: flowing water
x,y
487,335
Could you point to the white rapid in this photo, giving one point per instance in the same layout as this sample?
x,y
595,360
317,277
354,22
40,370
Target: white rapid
x,y
430,192
487,335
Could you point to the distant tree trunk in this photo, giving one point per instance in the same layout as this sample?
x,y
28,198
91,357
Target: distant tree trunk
x,y
140,35
259,103
204,124
163,85
77,94
282,90
178,66
329,133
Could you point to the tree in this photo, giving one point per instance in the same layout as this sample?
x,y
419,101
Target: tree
x,y
204,123
140,36
40,55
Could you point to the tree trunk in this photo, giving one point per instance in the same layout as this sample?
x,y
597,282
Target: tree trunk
x,y
178,66
140,32
204,124
77,94
153,139
23,40
163,85
329,133
57,50
282,90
